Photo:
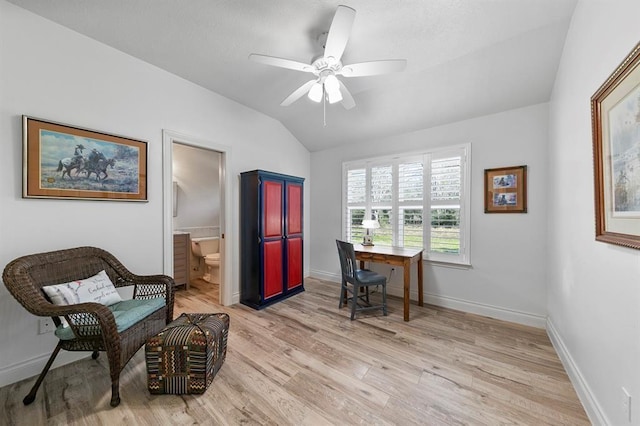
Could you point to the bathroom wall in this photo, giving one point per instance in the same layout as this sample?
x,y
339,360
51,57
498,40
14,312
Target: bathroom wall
x,y
196,172
197,192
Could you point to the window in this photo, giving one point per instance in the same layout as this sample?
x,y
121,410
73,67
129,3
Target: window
x,y
420,200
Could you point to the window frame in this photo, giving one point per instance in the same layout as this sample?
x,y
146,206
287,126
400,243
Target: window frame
x,y
426,157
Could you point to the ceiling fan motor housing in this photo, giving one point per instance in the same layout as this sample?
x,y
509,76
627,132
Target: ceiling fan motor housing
x,y
326,66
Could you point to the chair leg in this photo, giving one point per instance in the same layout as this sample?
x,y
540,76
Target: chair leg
x,y
114,371
384,300
354,301
32,394
343,290
115,391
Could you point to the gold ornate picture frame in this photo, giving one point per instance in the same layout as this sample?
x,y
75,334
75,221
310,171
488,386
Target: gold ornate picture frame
x,y
615,117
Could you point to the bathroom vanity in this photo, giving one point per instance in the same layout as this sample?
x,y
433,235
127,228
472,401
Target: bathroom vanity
x,y
181,258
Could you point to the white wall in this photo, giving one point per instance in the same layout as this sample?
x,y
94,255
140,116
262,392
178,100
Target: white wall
x,y
594,291
507,277
197,173
53,73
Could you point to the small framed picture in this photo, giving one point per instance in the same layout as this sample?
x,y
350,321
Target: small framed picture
x,y
68,162
505,190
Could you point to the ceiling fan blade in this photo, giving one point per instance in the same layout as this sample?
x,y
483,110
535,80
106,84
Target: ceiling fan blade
x,y
363,69
280,62
298,93
339,32
347,99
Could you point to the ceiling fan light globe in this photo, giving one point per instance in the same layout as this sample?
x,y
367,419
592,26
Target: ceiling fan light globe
x,y
315,94
331,83
332,87
334,96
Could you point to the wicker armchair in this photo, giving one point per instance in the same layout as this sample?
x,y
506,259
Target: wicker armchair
x,y
93,325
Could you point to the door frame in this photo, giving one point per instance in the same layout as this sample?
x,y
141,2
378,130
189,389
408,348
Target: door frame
x,y
226,271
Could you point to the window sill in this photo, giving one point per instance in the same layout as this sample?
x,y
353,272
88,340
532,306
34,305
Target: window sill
x,y
454,265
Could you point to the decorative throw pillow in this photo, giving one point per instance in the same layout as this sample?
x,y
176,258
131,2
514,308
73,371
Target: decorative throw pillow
x,y
97,288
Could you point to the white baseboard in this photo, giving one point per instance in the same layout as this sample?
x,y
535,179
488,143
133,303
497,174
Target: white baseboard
x,y
33,366
322,275
589,402
497,312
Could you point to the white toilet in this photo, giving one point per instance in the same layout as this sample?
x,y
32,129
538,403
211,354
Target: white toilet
x,y
213,268
208,250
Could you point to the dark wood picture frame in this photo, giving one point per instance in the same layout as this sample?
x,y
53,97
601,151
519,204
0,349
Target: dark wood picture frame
x,y
505,190
68,162
615,118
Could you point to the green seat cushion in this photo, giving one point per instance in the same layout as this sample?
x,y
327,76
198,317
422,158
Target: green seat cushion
x,y
126,314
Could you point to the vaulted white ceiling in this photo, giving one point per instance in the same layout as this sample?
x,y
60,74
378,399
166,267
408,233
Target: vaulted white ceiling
x,y
466,58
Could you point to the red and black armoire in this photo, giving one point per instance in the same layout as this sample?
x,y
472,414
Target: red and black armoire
x,y
271,236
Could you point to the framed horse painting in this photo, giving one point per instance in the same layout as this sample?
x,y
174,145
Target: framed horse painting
x,y
61,161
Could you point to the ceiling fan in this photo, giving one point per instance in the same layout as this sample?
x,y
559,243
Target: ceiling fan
x,y
325,85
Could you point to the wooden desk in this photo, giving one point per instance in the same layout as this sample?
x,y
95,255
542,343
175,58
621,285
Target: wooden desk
x,y
396,256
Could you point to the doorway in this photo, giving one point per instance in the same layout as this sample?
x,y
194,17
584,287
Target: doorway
x,y
194,188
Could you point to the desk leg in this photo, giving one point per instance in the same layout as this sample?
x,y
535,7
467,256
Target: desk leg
x,y
407,287
420,283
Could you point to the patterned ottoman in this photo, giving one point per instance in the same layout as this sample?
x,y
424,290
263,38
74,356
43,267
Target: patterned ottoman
x,y
185,356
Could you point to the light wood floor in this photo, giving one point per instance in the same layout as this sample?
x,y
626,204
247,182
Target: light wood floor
x,y
204,288
302,361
